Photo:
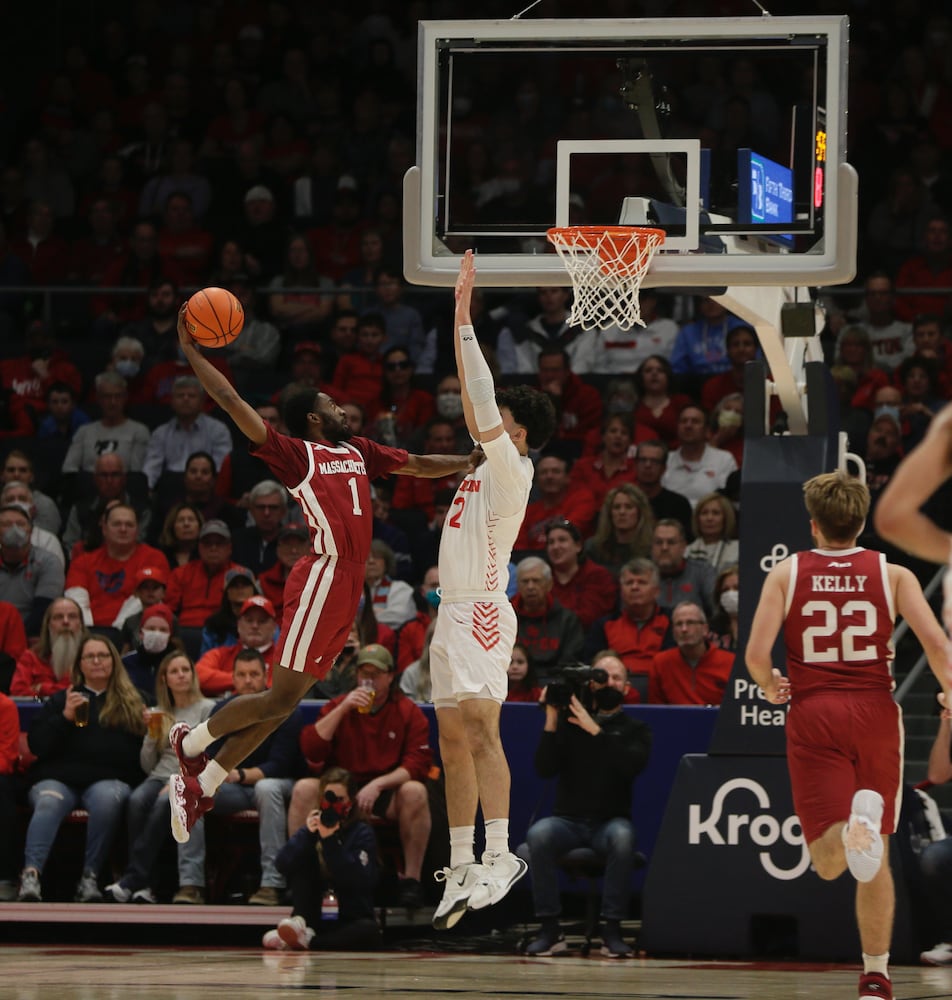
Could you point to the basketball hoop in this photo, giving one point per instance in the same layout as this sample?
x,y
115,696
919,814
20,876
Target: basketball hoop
x,y
606,265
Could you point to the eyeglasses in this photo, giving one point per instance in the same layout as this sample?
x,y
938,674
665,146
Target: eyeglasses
x,y
397,366
95,657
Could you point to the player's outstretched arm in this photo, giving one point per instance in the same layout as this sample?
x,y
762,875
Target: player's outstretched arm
x,y
248,420
478,391
898,518
438,466
763,633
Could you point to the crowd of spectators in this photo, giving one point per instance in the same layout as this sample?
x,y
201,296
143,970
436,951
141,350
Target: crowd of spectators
x,y
261,147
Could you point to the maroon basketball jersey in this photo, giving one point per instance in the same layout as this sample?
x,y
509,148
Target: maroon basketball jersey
x,y
839,621
331,482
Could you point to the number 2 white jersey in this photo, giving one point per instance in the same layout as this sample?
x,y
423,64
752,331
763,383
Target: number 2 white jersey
x,y
482,524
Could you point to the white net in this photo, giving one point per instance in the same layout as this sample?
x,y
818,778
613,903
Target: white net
x,y
606,265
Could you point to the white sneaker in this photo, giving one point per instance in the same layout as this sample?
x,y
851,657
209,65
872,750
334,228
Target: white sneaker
x,y
117,893
295,933
272,941
459,883
500,873
861,837
941,954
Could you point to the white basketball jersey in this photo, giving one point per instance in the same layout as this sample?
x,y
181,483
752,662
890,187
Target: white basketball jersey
x,y
482,524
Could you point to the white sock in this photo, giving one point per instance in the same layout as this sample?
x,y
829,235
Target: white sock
x,y
213,775
876,963
197,739
461,845
497,835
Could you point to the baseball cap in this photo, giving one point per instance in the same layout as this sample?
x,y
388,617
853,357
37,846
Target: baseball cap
x,y
346,182
565,525
259,193
294,531
20,508
215,527
162,611
377,655
888,412
307,345
257,601
154,573
240,573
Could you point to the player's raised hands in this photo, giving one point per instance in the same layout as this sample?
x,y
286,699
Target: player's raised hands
x,y
464,288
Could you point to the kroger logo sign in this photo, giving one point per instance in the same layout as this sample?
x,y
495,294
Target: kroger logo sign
x,y
763,830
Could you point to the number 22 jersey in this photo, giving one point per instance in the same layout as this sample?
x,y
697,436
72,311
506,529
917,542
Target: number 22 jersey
x,y
839,622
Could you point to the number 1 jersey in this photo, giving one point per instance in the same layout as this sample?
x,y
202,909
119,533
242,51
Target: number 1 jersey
x,y
839,621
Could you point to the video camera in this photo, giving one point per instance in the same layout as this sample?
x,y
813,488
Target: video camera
x,y
574,680
334,809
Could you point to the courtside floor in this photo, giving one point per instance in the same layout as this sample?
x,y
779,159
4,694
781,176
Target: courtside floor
x,y
58,972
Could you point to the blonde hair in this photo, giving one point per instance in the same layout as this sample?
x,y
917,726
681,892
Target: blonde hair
x,y
727,509
122,708
838,504
163,696
603,538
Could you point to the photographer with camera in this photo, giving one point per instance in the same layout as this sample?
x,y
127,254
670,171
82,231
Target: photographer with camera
x,y
595,751
332,858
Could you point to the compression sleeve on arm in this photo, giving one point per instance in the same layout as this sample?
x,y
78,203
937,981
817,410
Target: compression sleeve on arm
x,y
479,381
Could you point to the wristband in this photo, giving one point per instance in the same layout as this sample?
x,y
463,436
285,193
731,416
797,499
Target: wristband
x,y
241,775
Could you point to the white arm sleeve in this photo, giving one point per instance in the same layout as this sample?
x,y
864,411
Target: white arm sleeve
x,y
479,381
81,596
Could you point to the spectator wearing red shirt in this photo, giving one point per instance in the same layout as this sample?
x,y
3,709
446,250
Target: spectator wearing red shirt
x,y
578,584
45,669
695,673
358,375
257,624
93,254
140,267
659,407
612,466
555,500
387,750
195,590
12,642
420,494
31,374
523,685
9,827
337,245
741,346
100,581
184,247
930,269
643,627
578,404
43,252
404,409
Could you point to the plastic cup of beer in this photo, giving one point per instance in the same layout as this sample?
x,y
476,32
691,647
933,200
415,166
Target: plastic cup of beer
x,y
81,712
154,721
367,685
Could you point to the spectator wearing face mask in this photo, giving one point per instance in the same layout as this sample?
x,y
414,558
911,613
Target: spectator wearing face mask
x,y
412,636
727,601
155,639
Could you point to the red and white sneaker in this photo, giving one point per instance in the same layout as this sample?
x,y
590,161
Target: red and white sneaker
x,y
875,986
188,804
191,767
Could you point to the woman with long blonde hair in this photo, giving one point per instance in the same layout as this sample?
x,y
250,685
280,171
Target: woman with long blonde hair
x,y
178,699
624,529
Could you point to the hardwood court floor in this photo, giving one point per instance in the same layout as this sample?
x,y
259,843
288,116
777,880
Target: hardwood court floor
x,y
52,972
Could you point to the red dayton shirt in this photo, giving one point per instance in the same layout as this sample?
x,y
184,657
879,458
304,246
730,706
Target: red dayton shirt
x,y
673,681
110,581
398,735
331,482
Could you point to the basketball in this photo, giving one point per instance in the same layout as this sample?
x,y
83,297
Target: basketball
x,y
214,317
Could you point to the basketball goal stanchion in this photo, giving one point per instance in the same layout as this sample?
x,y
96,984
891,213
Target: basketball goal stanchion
x,y
607,265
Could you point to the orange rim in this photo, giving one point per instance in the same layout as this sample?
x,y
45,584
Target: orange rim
x,y
615,245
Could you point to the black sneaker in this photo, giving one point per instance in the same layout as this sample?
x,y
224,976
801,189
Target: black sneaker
x,y
549,942
613,945
411,893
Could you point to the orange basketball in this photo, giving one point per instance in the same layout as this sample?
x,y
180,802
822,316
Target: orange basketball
x,y
214,317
